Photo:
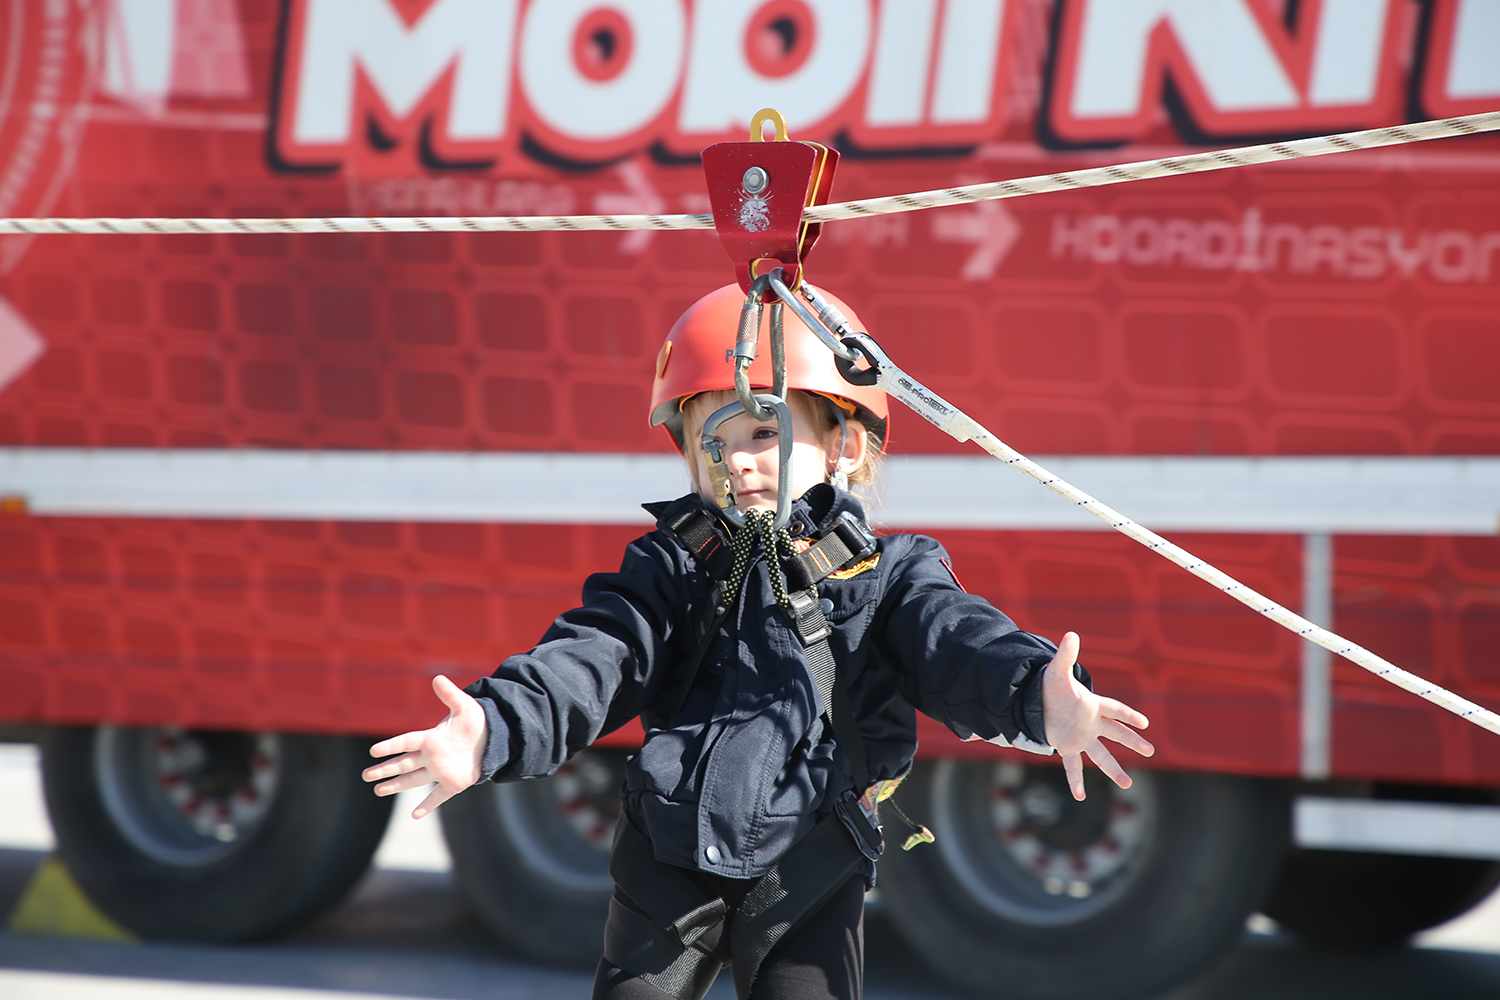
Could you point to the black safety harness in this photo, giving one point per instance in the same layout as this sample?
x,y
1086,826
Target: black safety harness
x,y
675,950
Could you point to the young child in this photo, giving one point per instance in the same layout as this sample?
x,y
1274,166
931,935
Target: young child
x,y
777,673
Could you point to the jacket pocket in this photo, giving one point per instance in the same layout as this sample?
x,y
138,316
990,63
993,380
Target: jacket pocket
x,y
847,597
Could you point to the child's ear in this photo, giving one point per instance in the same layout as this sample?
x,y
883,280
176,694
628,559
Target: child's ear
x,y
856,447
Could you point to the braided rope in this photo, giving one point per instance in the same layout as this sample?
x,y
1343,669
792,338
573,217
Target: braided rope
x,y
416,224
759,526
962,427
1170,166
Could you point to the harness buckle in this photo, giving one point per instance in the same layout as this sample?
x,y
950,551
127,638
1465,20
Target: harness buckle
x,y
807,615
856,534
861,826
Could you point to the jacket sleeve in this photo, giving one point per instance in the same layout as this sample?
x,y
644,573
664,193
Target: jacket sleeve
x,y
962,661
595,669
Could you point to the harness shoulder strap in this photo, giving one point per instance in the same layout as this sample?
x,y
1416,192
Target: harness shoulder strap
x,y
849,539
696,530
702,534
813,629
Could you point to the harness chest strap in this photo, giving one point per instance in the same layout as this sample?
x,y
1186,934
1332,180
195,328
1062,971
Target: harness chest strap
x,y
704,536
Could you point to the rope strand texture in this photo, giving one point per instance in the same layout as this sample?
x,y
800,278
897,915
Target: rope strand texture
x,y
1171,166
759,524
959,425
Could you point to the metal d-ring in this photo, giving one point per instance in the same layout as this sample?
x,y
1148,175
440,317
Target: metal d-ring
x,y
718,468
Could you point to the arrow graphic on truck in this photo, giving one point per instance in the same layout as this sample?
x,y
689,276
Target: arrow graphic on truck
x,y
20,345
989,226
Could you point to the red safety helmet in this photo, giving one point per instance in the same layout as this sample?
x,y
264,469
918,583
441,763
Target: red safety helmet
x,y
698,356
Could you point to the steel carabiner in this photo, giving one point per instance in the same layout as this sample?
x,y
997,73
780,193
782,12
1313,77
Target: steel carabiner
x,y
718,468
746,346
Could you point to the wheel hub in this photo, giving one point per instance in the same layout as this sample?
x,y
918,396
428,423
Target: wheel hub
x,y
1024,848
186,797
219,783
1069,846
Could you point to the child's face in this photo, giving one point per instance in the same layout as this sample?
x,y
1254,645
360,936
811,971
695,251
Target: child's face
x,y
752,451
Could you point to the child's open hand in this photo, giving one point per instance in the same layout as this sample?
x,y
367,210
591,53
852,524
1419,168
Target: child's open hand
x,y
449,753
1077,720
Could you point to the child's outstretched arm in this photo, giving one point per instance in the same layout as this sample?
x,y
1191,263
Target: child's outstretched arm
x,y
449,753
1077,720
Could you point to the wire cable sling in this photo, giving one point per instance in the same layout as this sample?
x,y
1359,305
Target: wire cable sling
x,y
1072,180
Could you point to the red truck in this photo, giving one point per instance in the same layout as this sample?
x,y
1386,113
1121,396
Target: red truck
x,y
258,489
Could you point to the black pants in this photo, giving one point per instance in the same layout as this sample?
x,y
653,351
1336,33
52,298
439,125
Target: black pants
x,y
823,959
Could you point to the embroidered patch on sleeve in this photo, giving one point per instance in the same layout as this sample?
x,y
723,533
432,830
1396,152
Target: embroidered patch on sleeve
x,y
867,563
949,567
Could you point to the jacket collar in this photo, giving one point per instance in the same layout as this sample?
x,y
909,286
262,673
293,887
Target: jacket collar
x,y
812,513
819,508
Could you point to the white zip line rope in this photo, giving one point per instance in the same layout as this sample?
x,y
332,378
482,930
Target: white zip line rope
x,y
960,426
1170,166
911,392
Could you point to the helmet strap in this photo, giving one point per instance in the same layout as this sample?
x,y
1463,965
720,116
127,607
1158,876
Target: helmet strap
x,y
837,478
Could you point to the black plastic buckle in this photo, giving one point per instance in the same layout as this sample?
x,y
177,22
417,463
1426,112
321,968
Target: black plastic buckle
x,y
856,534
700,532
807,615
867,836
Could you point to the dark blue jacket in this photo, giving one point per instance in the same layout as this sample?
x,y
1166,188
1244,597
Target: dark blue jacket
x,y
748,766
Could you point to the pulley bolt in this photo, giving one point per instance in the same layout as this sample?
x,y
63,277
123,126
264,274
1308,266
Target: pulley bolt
x,y
756,180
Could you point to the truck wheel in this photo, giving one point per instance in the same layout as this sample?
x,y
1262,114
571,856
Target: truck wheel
x,y
1027,893
1348,900
218,836
532,857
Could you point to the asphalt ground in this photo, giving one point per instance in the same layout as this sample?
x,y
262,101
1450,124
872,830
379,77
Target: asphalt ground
x,y
404,932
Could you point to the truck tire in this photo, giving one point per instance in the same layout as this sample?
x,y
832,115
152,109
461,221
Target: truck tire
x,y
532,857
1027,893
1347,900
213,836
